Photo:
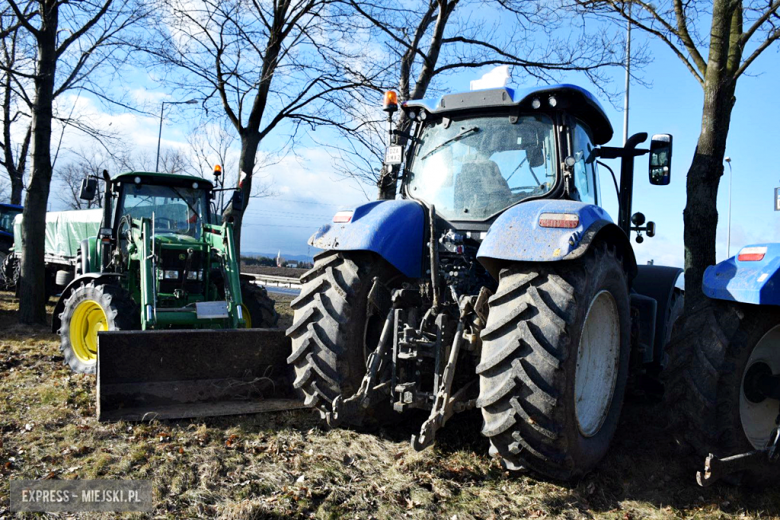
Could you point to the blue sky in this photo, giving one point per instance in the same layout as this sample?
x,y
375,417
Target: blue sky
x,y
308,192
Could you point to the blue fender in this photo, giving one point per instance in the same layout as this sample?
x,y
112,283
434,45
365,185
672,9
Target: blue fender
x,y
756,282
393,229
516,235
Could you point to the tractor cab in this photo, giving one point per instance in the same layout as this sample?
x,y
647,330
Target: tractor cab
x,y
177,204
473,155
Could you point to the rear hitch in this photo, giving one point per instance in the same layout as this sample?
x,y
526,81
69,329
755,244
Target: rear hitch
x,y
716,468
369,392
446,404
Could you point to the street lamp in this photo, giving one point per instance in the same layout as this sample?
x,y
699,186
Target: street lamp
x,y
728,233
159,134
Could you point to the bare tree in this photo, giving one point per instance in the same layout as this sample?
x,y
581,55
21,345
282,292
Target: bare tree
x,y
70,176
15,49
172,160
739,32
73,41
424,43
212,144
260,64
92,162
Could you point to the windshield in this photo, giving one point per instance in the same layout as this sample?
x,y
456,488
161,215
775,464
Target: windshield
x,y
476,167
177,209
7,219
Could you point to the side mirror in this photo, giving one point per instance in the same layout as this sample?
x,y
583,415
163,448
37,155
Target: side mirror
x,y
237,201
661,160
88,189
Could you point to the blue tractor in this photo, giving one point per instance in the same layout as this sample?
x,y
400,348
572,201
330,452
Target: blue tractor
x,y
726,379
494,281
7,268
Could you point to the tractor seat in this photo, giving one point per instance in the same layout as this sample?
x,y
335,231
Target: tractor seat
x,y
481,189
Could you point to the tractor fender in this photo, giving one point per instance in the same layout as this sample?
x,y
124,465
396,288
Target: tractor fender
x,y
97,277
746,281
516,236
393,229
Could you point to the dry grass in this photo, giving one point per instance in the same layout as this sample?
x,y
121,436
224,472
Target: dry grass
x,y
284,465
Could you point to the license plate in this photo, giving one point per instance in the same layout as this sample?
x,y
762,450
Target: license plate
x,y
211,310
394,154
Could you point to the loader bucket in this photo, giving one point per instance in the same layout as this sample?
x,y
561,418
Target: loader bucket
x,y
179,374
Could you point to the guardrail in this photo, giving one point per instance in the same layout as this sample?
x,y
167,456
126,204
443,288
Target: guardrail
x,y
275,281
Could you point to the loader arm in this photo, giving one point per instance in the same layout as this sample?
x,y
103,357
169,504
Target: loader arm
x,y
148,277
220,238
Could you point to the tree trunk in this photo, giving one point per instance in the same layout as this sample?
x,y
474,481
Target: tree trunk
x,y
701,213
16,189
32,301
246,163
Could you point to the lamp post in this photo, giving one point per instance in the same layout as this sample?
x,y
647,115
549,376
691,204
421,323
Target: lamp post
x,y
728,232
628,77
159,133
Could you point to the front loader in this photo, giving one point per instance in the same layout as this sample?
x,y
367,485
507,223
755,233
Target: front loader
x,y
496,281
156,302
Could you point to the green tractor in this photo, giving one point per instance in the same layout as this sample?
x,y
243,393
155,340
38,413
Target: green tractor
x,y
160,260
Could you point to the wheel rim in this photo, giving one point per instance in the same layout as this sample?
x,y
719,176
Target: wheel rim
x,y
758,419
247,316
88,319
598,358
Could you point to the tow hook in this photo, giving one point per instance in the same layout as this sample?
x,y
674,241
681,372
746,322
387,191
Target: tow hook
x,y
716,468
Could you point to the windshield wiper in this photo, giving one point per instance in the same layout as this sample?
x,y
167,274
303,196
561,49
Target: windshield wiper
x,y
459,135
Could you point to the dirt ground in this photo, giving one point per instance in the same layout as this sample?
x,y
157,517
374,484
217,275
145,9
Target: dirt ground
x,y
285,465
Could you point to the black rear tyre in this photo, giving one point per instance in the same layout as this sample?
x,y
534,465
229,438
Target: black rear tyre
x,y
530,358
718,346
331,321
260,307
89,308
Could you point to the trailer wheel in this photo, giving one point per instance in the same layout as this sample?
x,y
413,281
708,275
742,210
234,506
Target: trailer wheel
x,y
720,412
555,355
258,308
330,324
91,308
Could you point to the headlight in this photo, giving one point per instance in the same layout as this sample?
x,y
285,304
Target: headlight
x,y
171,275
192,275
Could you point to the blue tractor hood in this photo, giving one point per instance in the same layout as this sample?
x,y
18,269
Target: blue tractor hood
x,y
746,281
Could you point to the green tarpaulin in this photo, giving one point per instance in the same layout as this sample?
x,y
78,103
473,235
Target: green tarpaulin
x,y
64,230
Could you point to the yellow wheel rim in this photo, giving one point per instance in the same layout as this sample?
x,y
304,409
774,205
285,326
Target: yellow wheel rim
x,y
247,317
88,319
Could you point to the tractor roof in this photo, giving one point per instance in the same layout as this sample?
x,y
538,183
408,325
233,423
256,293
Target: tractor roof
x,y
163,176
10,206
570,98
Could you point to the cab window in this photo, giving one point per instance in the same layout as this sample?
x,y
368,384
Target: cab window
x,y
585,165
